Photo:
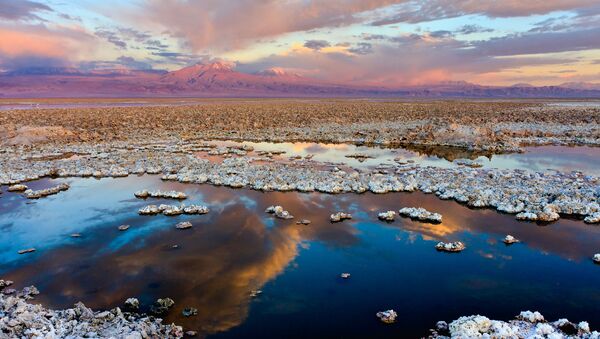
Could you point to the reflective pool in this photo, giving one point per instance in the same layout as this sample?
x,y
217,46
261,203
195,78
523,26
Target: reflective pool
x,y
237,248
541,158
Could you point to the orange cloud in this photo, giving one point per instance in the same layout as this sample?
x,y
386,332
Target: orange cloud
x,y
226,25
64,43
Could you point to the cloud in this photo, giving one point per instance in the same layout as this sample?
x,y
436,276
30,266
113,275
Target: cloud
x,y
41,41
111,37
428,10
402,60
122,37
124,62
316,44
362,48
231,25
21,9
41,46
369,37
471,29
180,58
134,34
538,43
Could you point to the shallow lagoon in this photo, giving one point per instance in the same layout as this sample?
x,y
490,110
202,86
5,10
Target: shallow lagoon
x,y
540,158
237,248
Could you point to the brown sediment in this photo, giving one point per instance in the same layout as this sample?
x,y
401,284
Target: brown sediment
x,y
492,126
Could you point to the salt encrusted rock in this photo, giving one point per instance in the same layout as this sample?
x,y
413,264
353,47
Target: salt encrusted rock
x,y
183,225
345,275
142,194
593,218
596,258
30,194
468,163
195,209
149,210
17,188
161,306
510,191
509,239
279,212
456,246
28,292
189,311
132,303
340,216
532,317
527,216
5,283
527,325
160,194
21,319
421,214
387,216
123,227
172,210
583,326
27,250
548,213
387,317
304,222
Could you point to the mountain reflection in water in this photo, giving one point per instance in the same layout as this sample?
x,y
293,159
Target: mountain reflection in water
x,y
237,248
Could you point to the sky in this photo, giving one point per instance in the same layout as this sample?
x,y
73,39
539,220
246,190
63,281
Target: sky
x,y
369,42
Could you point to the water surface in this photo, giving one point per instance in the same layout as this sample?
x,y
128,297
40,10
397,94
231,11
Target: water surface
x,y
540,158
237,248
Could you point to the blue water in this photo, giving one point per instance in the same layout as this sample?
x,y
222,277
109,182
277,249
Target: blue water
x,y
237,248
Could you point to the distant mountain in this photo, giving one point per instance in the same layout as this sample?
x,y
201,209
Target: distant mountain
x,y
221,79
581,85
522,85
45,71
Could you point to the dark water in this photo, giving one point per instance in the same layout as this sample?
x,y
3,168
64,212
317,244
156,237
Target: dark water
x,y
237,248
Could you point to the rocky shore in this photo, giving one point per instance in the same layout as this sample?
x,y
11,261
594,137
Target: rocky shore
x,y
21,318
526,325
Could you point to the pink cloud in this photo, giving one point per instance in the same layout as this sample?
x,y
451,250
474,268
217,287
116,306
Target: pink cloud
x,y
226,25
39,40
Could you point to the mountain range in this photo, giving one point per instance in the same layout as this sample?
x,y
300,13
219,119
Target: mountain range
x,y
220,79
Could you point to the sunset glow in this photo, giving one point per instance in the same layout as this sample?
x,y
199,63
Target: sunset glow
x,y
375,42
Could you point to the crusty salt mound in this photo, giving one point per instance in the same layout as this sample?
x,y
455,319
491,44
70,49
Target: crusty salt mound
x,y
387,216
456,246
421,214
19,318
279,212
526,325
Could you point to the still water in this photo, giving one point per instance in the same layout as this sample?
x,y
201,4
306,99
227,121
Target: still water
x,y
237,248
540,158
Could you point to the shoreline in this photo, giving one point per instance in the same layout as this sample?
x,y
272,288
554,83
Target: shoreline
x,y
533,196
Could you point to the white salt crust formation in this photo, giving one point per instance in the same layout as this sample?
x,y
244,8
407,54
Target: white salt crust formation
x,y
526,325
530,195
20,318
